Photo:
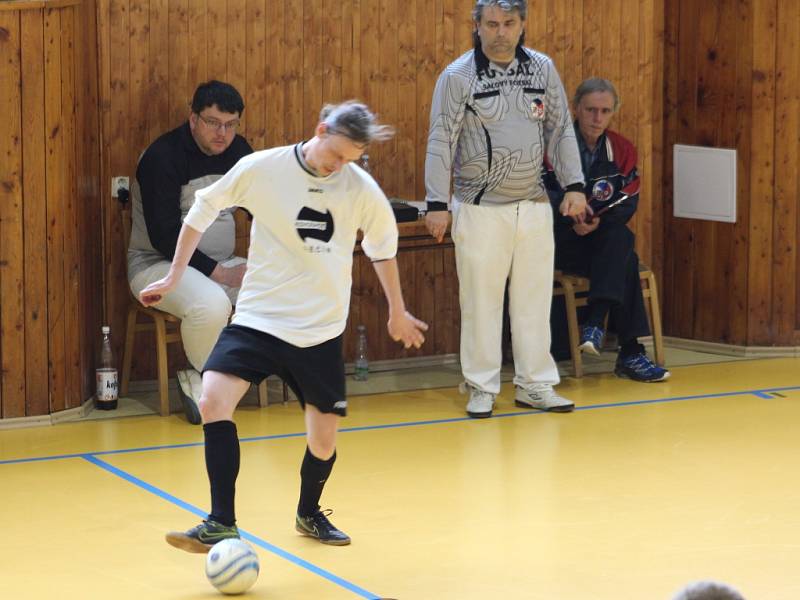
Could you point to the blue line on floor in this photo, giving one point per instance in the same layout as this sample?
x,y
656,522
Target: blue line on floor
x,y
248,536
762,393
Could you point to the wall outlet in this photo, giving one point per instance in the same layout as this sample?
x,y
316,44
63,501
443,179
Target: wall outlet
x,y
117,183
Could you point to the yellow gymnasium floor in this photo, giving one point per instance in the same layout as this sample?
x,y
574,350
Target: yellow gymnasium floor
x,y
640,490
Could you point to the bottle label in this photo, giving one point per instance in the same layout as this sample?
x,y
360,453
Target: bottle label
x,y
106,385
361,371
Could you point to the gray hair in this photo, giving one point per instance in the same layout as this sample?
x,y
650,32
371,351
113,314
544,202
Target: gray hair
x,y
708,590
354,121
595,84
506,5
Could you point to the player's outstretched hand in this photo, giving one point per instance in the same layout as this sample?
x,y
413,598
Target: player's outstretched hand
x,y
154,292
407,329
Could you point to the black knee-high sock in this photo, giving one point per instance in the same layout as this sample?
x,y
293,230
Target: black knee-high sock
x,y
313,474
222,464
630,347
598,309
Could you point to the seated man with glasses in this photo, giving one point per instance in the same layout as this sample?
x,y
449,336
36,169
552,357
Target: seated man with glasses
x,y
173,167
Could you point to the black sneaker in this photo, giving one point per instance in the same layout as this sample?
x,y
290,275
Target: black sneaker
x,y
318,526
200,538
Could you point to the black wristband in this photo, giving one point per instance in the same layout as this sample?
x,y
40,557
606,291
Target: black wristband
x,y
574,187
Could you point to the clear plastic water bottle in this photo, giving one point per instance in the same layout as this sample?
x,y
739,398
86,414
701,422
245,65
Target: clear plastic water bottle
x,y
106,374
362,363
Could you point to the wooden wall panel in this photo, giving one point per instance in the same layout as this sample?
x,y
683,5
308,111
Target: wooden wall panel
x,y
387,101
236,68
35,217
736,329
726,76
50,250
12,317
141,75
163,109
760,236
197,43
88,192
289,57
56,156
255,100
733,81
275,47
72,214
706,125
785,266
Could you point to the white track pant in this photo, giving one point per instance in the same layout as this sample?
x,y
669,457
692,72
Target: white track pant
x,y
493,244
202,305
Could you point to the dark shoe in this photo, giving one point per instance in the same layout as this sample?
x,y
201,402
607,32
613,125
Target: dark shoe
x,y
200,538
640,368
188,393
318,526
592,339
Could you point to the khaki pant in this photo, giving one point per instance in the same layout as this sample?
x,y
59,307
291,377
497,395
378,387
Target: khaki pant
x,y
493,244
202,305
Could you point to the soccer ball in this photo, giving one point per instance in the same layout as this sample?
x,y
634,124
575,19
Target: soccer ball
x,y
232,566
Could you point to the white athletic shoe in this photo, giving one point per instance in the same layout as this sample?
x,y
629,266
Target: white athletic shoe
x,y
542,397
480,403
190,387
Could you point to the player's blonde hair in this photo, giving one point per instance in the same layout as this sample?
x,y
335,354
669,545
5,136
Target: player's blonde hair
x,y
354,121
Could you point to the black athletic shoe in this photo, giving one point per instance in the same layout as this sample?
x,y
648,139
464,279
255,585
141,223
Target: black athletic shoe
x,y
200,538
318,526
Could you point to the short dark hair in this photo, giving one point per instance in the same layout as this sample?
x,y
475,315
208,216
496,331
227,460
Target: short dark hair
x,y
521,6
224,95
506,5
708,590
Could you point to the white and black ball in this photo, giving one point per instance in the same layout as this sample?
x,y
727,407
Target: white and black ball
x,y
232,566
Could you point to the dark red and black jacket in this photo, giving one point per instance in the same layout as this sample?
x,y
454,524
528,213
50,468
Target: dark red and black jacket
x,y
611,174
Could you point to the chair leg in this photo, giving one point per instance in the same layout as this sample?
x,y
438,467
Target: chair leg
x,y
655,317
161,356
572,326
284,393
262,393
127,357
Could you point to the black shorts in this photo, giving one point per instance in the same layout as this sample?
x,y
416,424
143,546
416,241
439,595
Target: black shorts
x,y
315,374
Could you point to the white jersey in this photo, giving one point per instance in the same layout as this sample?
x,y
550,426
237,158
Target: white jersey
x,y
299,265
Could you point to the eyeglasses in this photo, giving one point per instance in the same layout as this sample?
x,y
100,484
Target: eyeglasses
x,y
216,124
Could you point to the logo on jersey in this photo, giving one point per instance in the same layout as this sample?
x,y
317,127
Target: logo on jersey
x,y
313,224
602,190
537,109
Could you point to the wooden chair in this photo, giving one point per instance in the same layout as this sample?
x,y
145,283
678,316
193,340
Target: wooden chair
x,y
167,331
575,290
